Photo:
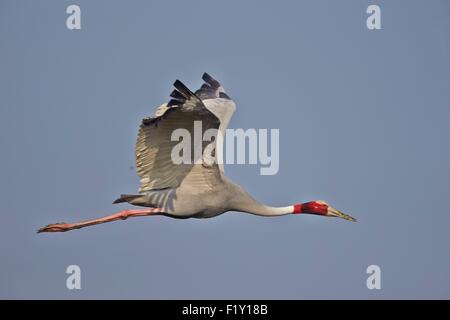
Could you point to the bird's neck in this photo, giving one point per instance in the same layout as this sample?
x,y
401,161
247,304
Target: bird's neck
x,y
268,211
245,203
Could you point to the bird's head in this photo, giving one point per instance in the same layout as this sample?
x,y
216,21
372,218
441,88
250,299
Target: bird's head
x,y
321,208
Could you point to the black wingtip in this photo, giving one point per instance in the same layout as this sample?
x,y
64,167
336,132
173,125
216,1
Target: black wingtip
x,y
206,76
182,88
177,95
210,80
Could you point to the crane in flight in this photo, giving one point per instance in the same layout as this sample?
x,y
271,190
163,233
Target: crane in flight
x,y
190,190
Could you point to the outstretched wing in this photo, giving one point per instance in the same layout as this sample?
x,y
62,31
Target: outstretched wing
x,y
216,100
154,163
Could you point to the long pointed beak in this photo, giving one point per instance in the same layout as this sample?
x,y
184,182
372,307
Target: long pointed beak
x,y
336,213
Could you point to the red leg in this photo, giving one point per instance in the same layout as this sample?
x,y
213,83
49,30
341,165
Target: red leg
x,y
122,215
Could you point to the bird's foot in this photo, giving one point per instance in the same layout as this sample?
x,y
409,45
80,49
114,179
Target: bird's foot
x,y
56,227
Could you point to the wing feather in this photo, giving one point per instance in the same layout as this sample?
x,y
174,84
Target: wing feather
x,y
154,145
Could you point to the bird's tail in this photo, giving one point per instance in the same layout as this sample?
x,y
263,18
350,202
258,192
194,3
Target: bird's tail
x,y
127,198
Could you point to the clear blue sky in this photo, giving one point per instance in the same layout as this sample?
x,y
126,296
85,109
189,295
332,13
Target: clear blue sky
x,y
364,119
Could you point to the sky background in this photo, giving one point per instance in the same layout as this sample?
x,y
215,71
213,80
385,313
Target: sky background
x,y
364,119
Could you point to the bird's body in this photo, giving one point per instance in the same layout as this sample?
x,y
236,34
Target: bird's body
x,y
196,188
183,202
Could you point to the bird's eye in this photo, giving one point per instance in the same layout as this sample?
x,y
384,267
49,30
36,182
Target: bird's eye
x,y
224,95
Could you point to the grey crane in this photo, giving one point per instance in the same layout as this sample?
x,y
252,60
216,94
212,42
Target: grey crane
x,y
195,189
